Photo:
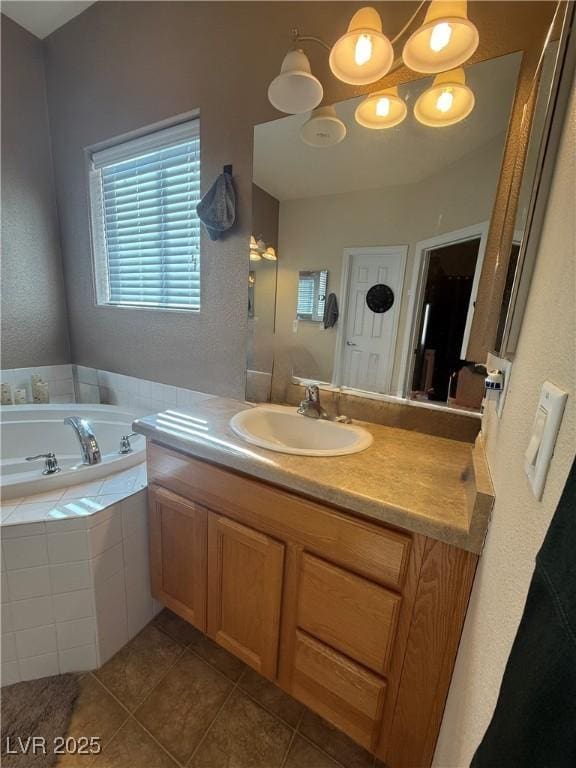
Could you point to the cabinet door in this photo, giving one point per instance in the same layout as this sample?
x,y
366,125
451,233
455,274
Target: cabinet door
x,y
178,544
245,590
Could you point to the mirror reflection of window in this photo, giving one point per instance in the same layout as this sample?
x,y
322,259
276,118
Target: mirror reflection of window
x,y
311,300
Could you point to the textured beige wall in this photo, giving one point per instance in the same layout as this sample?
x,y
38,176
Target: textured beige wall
x,y
315,231
34,328
546,350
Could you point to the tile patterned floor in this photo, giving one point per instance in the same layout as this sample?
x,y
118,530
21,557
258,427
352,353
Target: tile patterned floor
x,y
173,698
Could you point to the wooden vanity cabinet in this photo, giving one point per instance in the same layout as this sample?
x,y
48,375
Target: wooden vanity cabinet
x,y
178,547
357,620
245,572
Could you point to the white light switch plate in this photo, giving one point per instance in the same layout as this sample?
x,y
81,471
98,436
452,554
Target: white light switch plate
x,y
543,436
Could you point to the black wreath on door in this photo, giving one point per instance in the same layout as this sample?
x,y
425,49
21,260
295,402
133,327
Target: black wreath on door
x,y
380,298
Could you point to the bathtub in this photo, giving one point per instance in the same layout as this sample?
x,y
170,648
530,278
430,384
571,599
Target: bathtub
x,y
27,430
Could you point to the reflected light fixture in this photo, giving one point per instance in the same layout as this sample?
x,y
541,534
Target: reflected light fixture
x,y
382,109
446,39
295,89
270,254
364,54
255,250
259,250
323,129
448,100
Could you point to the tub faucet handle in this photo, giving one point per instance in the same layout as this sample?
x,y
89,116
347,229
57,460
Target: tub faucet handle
x,y
50,463
125,446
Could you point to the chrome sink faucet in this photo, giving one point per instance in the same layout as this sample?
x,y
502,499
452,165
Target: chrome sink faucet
x,y
310,406
87,439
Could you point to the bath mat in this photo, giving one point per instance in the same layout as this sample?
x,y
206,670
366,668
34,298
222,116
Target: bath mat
x,y
40,708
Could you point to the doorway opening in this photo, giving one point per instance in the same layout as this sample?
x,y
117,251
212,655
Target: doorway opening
x,y
440,373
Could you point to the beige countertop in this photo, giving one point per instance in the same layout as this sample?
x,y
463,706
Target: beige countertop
x,y
429,485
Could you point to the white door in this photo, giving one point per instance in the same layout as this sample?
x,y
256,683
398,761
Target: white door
x,y
369,339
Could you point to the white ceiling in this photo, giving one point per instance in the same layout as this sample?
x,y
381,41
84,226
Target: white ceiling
x,y
42,17
289,169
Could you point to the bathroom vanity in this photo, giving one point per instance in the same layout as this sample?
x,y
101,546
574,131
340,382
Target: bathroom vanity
x,y
344,580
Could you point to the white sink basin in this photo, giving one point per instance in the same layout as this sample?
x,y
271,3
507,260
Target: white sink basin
x,y
283,429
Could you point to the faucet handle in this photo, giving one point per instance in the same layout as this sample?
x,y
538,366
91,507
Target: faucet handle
x,y
50,464
312,392
125,446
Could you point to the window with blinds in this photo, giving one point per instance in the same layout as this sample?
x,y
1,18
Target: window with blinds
x,y
311,301
145,230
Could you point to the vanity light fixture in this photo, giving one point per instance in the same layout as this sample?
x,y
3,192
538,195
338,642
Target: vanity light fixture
x,y
295,89
446,39
383,109
363,54
448,101
324,128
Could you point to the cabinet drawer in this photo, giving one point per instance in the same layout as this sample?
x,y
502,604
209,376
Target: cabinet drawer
x,y
348,612
349,697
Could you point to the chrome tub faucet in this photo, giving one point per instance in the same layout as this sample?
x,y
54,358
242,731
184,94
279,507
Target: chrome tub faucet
x,y
87,439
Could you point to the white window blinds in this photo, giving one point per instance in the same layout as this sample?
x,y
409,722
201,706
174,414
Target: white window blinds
x,y
146,232
312,295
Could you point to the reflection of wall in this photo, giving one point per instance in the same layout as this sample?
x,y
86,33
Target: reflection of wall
x,y
34,328
261,326
315,231
546,350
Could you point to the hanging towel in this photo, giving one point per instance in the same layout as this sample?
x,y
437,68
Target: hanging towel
x,y
217,209
331,311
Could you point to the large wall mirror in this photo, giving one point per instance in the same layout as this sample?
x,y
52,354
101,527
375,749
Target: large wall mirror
x,y
379,240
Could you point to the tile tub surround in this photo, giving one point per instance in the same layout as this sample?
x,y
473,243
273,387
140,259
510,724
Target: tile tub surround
x,y
74,591
172,697
428,485
144,396
75,501
81,384
60,379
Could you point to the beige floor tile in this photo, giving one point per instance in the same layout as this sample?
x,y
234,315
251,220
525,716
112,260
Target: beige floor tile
x,y
132,673
132,747
304,755
334,742
244,736
216,656
183,705
177,628
271,697
96,714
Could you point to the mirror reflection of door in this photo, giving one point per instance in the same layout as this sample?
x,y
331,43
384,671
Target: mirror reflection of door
x,y
369,338
446,305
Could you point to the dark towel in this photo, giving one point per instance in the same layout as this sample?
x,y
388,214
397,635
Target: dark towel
x,y
534,723
331,311
217,209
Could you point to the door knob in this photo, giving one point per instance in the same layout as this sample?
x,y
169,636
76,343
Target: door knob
x,y
351,344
